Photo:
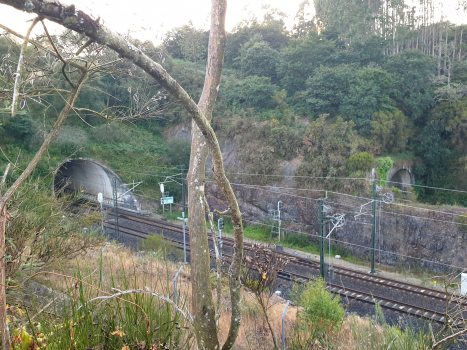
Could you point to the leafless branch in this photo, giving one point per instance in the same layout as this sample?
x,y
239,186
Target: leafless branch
x,y
19,68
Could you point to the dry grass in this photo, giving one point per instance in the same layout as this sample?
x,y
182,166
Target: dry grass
x,y
254,332
120,264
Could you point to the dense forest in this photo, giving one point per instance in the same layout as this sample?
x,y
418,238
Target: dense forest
x,y
354,86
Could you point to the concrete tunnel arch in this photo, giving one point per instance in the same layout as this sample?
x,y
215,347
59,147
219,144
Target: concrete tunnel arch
x,y
401,178
90,177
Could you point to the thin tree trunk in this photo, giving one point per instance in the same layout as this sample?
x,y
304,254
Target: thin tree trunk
x,y
454,46
6,342
439,51
460,45
446,53
14,104
265,312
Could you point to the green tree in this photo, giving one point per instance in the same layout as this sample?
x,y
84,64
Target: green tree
x,y
413,72
271,31
302,57
189,43
328,88
392,130
280,97
251,92
370,92
384,165
321,315
454,116
327,146
258,58
362,161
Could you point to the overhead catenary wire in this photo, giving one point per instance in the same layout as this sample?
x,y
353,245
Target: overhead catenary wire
x,y
343,178
366,247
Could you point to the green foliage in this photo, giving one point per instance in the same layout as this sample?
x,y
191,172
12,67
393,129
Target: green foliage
x,y
327,146
328,87
392,129
280,97
187,42
454,115
370,92
136,320
258,58
376,334
21,127
432,146
384,165
271,31
178,152
413,72
156,243
70,139
107,133
253,91
321,317
44,230
301,58
362,161
297,240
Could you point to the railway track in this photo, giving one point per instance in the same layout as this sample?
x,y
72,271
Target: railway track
x,y
388,303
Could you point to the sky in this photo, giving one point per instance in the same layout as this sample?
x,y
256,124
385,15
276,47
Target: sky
x,y
151,19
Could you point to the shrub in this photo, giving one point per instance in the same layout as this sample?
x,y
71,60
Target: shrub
x,y
362,161
296,239
178,151
107,133
68,140
321,317
21,127
384,165
157,244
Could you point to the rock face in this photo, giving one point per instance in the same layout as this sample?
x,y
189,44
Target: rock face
x,y
405,235
408,236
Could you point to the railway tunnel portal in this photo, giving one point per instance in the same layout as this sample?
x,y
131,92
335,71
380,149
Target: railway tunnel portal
x,y
89,177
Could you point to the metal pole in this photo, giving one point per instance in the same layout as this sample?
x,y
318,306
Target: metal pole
x,y
163,204
220,243
330,262
170,209
184,238
321,237
102,273
175,287
373,228
279,211
117,232
283,328
102,220
183,187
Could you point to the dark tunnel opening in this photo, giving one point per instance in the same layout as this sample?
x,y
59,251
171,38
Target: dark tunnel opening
x,y
88,177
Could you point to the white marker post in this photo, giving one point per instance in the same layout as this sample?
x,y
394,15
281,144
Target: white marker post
x,y
161,186
100,199
184,240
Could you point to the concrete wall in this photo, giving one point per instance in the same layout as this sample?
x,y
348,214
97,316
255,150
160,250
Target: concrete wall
x,y
420,234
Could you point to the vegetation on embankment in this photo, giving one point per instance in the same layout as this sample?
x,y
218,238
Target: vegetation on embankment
x,y
316,318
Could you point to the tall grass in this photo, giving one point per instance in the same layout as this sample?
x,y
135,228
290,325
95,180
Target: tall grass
x,y
135,319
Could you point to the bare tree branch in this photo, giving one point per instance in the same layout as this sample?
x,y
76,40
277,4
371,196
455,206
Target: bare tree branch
x,y
2,183
19,68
